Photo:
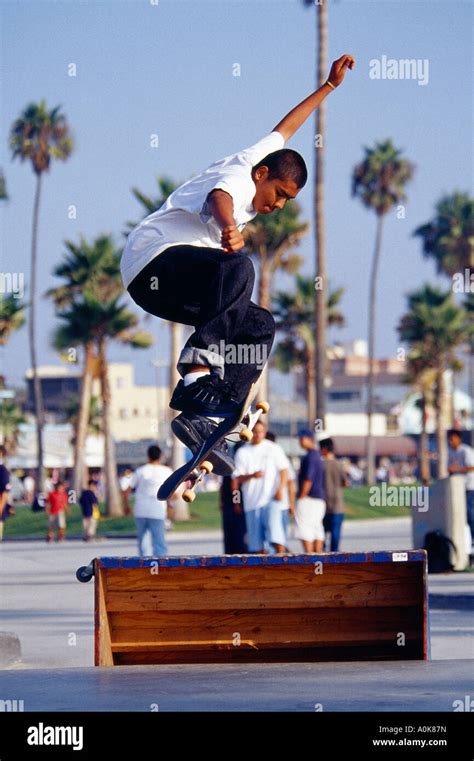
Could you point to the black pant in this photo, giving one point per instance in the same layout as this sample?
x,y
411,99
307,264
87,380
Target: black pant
x,y
211,290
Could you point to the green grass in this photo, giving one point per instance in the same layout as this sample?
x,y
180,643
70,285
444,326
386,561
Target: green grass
x,y
205,515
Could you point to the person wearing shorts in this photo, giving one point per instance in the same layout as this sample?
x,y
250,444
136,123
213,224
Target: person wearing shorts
x,y
56,506
310,505
261,473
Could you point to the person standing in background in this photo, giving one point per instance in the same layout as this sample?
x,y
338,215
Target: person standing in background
x,y
334,480
279,511
56,507
4,488
150,513
89,503
310,506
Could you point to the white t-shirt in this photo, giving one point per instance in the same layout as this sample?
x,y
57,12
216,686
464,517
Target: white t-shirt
x,y
146,481
468,456
267,457
185,218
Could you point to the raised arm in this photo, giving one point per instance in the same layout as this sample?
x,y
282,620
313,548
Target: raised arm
x,y
298,115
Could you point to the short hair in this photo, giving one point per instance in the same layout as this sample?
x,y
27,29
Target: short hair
x,y
270,436
454,432
154,452
58,483
327,444
285,164
92,482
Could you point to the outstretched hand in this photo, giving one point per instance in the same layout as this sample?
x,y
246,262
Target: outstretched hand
x,y
339,68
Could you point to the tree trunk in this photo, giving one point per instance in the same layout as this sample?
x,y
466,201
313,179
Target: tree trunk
x,y
36,381
82,422
372,326
441,443
113,502
320,243
425,473
311,386
264,300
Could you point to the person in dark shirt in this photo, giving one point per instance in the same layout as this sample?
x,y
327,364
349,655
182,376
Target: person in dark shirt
x,y
4,488
89,502
233,516
310,505
334,480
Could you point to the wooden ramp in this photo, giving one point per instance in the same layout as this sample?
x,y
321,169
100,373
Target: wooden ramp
x,y
267,608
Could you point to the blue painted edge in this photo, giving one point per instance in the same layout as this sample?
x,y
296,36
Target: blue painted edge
x,y
219,561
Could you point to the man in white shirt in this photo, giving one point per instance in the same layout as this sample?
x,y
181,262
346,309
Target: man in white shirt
x,y
461,461
150,513
279,510
261,472
182,263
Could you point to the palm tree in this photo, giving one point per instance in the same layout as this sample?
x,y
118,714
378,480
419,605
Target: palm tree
x,y
271,239
421,375
3,187
39,135
166,186
434,327
319,226
98,321
379,182
11,417
294,313
469,307
12,316
85,266
448,237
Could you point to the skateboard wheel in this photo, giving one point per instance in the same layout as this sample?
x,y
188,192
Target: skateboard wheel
x,y
189,495
264,406
246,434
206,466
83,574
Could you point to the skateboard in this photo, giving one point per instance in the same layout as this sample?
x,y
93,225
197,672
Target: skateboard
x,y
242,422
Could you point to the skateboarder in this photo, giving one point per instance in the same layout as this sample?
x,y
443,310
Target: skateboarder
x,y
182,263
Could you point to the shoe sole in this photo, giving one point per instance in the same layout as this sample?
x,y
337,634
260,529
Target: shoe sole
x,y
223,465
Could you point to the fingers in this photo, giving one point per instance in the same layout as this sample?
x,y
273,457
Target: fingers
x,y
346,61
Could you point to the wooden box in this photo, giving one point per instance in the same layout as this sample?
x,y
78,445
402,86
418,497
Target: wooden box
x,y
246,608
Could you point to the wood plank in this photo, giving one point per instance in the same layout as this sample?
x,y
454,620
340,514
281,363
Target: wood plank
x,y
277,577
102,644
306,625
366,594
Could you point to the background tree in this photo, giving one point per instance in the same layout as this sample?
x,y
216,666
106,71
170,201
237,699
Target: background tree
x,y
97,321
448,239
11,418
271,239
321,10
39,135
294,315
3,187
435,327
12,316
150,204
85,266
378,181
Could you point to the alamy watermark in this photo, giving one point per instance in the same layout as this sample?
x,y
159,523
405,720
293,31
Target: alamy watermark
x,y
384,495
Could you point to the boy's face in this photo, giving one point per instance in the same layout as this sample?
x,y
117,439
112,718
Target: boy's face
x,y
271,194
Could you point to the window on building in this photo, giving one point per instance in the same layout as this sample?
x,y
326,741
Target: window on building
x,y
119,382
123,413
135,412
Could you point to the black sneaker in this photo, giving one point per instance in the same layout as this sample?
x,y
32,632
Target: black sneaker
x,y
192,430
208,395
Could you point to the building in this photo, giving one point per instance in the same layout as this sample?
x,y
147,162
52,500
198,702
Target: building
x,y
137,411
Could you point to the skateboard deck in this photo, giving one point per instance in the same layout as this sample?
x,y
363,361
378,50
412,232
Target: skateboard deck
x,y
196,468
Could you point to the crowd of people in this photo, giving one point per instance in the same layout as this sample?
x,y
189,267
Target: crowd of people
x,y
259,501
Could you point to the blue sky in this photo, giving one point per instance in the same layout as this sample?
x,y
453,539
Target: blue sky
x,y
167,69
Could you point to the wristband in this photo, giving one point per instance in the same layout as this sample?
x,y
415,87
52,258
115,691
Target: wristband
x,y
333,87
